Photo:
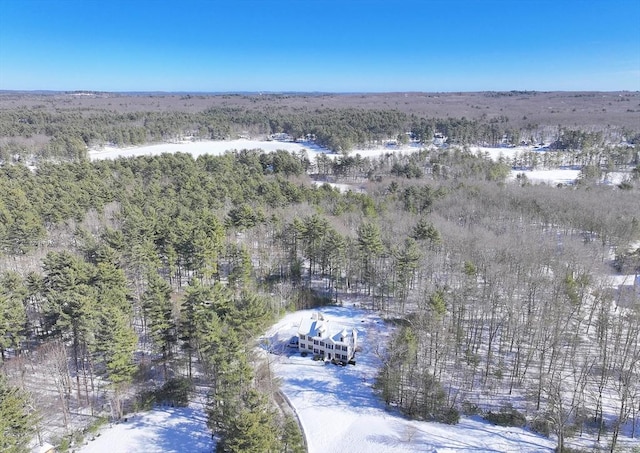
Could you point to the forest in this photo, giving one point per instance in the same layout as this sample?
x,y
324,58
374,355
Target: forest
x,y
135,281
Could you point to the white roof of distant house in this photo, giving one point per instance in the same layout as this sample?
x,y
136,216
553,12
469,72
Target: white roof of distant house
x,y
318,326
313,325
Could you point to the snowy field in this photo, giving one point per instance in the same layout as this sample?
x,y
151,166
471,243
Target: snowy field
x,y
217,147
162,430
551,177
340,412
198,148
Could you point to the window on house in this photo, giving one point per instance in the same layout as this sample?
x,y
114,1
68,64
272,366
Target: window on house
x,y
344,357
315,351
322,343
302,337
315,341
344,348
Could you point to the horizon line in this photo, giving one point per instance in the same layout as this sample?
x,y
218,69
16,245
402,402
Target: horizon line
x,y
293,92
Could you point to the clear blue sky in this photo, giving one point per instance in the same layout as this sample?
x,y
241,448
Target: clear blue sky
x,y
320,45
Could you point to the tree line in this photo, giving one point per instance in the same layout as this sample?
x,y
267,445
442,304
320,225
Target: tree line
x,y
36,133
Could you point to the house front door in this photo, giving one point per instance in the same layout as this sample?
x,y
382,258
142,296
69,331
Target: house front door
x,y
329,356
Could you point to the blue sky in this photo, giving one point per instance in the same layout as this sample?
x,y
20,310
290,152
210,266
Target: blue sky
x,y
320,45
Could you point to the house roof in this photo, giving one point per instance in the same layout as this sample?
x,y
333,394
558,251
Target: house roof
x,y
318,326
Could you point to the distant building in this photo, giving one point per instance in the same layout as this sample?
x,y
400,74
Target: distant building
x,y
281,137
327,340
439,139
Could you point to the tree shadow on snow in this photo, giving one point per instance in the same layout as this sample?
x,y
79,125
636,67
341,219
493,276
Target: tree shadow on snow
x,y
332,392
188,434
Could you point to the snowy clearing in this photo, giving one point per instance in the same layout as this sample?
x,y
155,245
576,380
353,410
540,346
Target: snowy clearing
x,y
198,148
217,147
164,429
343,188
339,410
551,177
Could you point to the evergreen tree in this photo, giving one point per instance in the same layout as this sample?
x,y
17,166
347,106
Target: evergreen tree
x,y
292,440
334,258
72,303
207,245
16,426
424,230
253,428
158,313
407,260
197,299
115,345
231,381
241,267
371,248
13,316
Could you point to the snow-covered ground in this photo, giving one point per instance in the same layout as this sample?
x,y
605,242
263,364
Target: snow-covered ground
x,y
162,430
343,188
339,410
564,176
551,177
216,147
198,148
336,405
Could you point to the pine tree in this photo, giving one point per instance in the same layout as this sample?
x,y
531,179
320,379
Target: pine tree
x,y
231,380
424,230
16,426
252,428
371,248
241,267
407,260
207,243
115,345
334,258
292,440
197,298
72,303
13,316
158,313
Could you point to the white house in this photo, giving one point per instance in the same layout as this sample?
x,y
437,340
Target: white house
x,y
325,339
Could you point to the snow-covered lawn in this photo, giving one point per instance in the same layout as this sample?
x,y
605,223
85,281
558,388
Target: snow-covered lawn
x,y
162,430
339,410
